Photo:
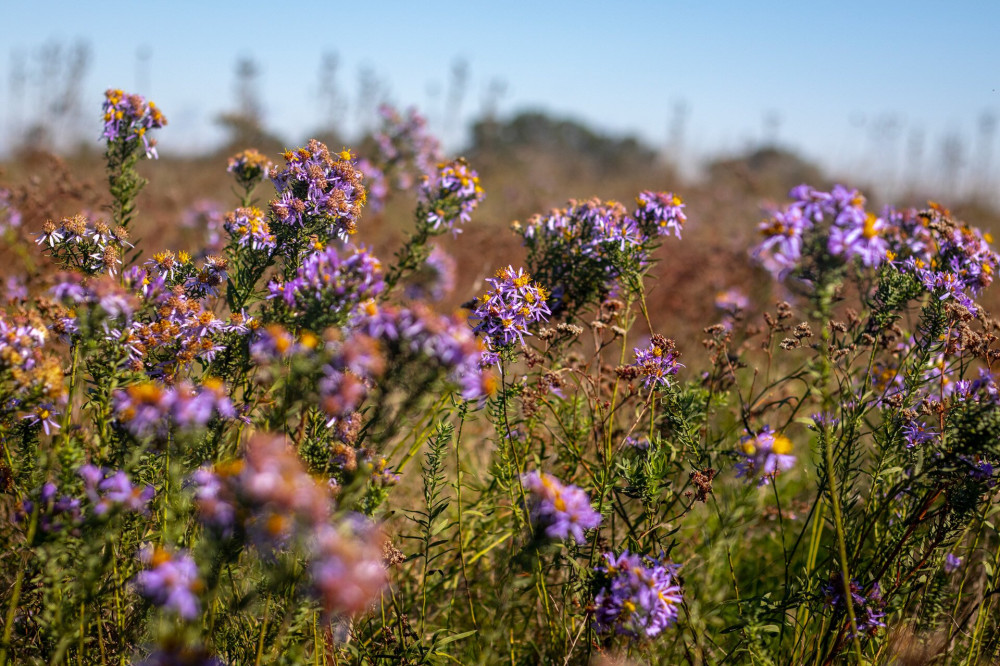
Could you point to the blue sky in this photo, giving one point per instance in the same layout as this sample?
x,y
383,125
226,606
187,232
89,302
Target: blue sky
x,y
830,72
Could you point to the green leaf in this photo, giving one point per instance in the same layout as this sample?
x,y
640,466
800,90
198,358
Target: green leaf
x,y
456,637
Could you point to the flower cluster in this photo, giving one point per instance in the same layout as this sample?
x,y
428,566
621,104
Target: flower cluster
x,y
268,490
151,409
559,510
31,379
249,167
318,191
55,512
764,455
175,330
450,195
655,364
108,490
503,314
328,286
354,363
847,230
130,117
418,335
660,213
171,582
249,229
91,248
583,249
869,610
269,495
638,596
951,260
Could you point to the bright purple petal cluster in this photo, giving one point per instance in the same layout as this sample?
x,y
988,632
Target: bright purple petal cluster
x,y
953,260
171,582
129,117
559,510
639,596
450,194
657,363
112,489
319,191
950,259
869,610
764,455
418,334
249,229
660,211
328,286
151,409
503,314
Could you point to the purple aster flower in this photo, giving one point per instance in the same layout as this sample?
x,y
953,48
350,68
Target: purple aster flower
x,y
869,610
15,289
764,455
732,301
10,217
151,409
328,286
128,118
319,191
864,240
557,509
503,314
249,228
916,433
43,414
55,511
657,363
107,492
171,582
781,248
450,195
214,506
639,596
660,213
952,562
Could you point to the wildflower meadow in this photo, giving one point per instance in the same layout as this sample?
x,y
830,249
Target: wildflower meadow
x,y
281,448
